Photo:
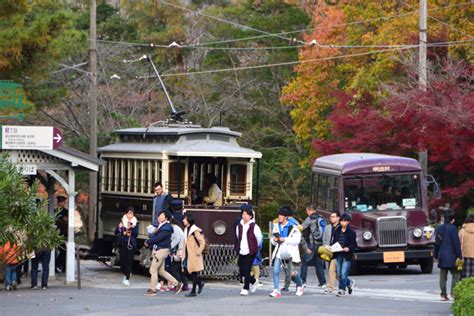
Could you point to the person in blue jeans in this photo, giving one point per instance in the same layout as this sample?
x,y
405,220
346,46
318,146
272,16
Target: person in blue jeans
x,y
286,238
43,257
10,277
346,237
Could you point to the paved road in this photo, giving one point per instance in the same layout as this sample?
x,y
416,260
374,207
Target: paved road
x,y
382,292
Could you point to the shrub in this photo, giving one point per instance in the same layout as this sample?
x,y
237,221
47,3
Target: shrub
x,y
464,298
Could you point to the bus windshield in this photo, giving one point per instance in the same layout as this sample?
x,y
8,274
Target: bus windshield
x,y
382,192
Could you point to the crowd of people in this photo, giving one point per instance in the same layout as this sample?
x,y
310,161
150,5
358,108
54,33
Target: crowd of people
x,y
176,246
16,262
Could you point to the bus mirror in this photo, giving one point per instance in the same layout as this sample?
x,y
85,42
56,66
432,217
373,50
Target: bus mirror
x,y
436,187
437,191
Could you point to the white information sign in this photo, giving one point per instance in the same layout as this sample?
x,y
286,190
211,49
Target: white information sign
x,y
30,137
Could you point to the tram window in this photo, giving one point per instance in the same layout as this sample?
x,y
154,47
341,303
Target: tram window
x,y
124,175
132,176
219,138
103,177
238,179
112,175
146,171
153,175
174,181
139,176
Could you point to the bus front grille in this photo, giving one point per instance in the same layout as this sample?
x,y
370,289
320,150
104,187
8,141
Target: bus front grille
x,y
392,231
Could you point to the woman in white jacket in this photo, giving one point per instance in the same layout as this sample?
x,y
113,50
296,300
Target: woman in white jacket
x,y
286,238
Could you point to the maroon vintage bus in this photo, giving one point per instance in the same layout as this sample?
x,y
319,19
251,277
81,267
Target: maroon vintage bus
x,y
387,198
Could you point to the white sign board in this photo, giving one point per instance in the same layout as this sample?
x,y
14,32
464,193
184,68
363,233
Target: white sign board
x,y
30,137
27,169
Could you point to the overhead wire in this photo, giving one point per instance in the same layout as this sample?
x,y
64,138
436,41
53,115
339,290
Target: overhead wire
x,y
267,34
228,22
439,44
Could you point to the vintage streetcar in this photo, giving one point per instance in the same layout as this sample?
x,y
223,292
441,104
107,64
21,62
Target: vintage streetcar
x,y
179,155
387,198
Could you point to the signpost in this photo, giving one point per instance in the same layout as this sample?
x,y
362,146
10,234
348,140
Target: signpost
x,y
30,137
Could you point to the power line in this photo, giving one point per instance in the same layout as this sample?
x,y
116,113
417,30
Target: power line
x,y
440,44
201,45
325,27
228,22
449,25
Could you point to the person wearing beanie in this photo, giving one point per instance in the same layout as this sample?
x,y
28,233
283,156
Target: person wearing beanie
x,y
249,236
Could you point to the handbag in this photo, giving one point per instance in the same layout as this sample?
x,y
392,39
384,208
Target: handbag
x,y
284,252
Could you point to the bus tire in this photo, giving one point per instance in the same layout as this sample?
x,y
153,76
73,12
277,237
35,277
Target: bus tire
x,y
426,265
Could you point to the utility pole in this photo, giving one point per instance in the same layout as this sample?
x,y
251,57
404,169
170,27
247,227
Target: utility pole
x,y
422,71
93,112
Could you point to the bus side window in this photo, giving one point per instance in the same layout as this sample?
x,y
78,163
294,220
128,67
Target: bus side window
x,y
332,195
322,191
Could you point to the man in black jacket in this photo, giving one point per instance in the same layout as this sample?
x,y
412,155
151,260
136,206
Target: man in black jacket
x,y
161,202
346,237
159,242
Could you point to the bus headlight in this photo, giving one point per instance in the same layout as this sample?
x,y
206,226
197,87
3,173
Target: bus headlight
x,y
219,228
367,235
417,232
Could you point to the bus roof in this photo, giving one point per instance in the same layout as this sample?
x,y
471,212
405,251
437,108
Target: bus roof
x,y
361,163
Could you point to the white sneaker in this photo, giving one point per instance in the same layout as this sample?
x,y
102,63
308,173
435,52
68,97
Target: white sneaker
x,y
341,293
322,286
126,282
124,279
275,293
253,287
244,292
328,291
299,291
304,285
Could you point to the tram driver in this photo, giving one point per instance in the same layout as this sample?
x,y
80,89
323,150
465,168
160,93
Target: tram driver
x,y
214,193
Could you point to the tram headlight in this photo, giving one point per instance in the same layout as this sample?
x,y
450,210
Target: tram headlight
x,y
367,235
417,232
219,228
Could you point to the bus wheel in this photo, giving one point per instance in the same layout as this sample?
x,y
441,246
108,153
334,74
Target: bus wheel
x,y
426,265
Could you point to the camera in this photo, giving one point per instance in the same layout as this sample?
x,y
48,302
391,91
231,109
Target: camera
x,y
277,235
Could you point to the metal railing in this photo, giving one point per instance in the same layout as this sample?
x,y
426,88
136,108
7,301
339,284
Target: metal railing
x,y
238,188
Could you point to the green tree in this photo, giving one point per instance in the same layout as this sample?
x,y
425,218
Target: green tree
x,y
23,221
34,37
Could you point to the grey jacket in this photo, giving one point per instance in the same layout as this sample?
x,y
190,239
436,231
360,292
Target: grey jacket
x,y
327,235
328,232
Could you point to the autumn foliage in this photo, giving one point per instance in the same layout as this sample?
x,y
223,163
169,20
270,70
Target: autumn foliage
x,y
440,119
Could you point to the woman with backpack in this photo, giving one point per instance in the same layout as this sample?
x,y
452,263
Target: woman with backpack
x,y
249,236
193,261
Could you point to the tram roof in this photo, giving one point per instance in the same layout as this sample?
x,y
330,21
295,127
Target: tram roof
x,y
221,142
364,163
177,131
